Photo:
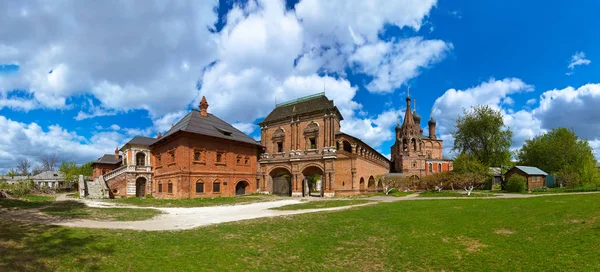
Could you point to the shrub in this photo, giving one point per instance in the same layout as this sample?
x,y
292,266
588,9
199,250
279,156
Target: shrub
x,y
516,183
149,197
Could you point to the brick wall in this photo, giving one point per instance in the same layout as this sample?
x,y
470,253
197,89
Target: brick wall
x,y
188,169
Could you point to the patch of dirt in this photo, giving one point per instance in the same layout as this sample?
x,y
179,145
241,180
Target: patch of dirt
x,y
473,245
504,231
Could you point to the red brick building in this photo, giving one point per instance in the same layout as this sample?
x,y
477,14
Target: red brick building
x,y
307,154
200,156
414,154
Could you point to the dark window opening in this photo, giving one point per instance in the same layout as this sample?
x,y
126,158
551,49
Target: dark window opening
x,y
216,187
219,157
313,143
197,156
199,187
246,161
172,156
170,188
430,168
439,167
279,147
239,160
160,189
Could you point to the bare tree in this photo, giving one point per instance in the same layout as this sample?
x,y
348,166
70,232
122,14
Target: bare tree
x,y
23,167
37,170
49,162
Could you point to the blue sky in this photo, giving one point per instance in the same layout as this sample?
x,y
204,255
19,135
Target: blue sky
x,y
80,78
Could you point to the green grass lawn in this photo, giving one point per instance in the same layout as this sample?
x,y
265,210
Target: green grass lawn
x,y
78,210
455,194
191,202
320,204
557,233
557,190
27,202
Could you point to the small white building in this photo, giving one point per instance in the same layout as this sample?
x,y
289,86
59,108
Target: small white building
x,y
50,179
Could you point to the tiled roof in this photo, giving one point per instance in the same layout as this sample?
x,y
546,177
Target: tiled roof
x,y
209,126
530,170
108,159
308,104
141,140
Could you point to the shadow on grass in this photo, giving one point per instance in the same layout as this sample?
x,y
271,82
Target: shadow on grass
x,y
33,247
78,210
23,203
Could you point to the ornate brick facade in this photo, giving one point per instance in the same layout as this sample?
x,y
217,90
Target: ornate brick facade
x,y
302,139
414,154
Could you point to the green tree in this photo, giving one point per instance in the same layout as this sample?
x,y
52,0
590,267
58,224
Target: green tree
x,y
480,133
69,171
560,151
86,169
12,172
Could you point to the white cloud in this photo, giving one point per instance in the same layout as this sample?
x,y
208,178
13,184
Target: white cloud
x,y
576,60
263,54
85,54
569,107
247,128
531,101
115,127
392,64
494,93
30,141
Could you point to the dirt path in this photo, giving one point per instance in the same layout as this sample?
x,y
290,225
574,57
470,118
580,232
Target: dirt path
x,y
188,218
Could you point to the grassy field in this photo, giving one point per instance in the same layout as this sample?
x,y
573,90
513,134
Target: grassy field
x,y
78,210
191,202
454,194
27,202
320,204
556,233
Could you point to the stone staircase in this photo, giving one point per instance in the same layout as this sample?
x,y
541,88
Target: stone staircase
x,y
92,188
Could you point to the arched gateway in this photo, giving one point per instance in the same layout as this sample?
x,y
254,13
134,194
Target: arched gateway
x,y
282,181
140,187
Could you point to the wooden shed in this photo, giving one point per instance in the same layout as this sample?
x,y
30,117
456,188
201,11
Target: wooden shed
x,y
536,178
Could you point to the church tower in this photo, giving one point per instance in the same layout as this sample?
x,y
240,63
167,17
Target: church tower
x,y
406,153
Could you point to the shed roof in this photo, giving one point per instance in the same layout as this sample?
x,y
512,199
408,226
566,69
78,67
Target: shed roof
x,y
530,170
210,125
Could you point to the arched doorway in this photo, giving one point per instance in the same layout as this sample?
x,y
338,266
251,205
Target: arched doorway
x,y
282,181
140,159
140,187
371,184
379,184
361,185
313,182
240,187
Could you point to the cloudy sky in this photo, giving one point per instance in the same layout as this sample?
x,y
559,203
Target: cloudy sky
x,y
79,78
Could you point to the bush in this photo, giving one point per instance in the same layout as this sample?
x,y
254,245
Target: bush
x,y
516,184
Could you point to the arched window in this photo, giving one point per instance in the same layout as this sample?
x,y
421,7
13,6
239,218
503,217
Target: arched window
x,y
430,167
160,187
170,187
247,160
238,160
439,167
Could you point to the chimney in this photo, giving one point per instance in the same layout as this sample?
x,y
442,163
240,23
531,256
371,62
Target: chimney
x,y
117,153
203,107
159,135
